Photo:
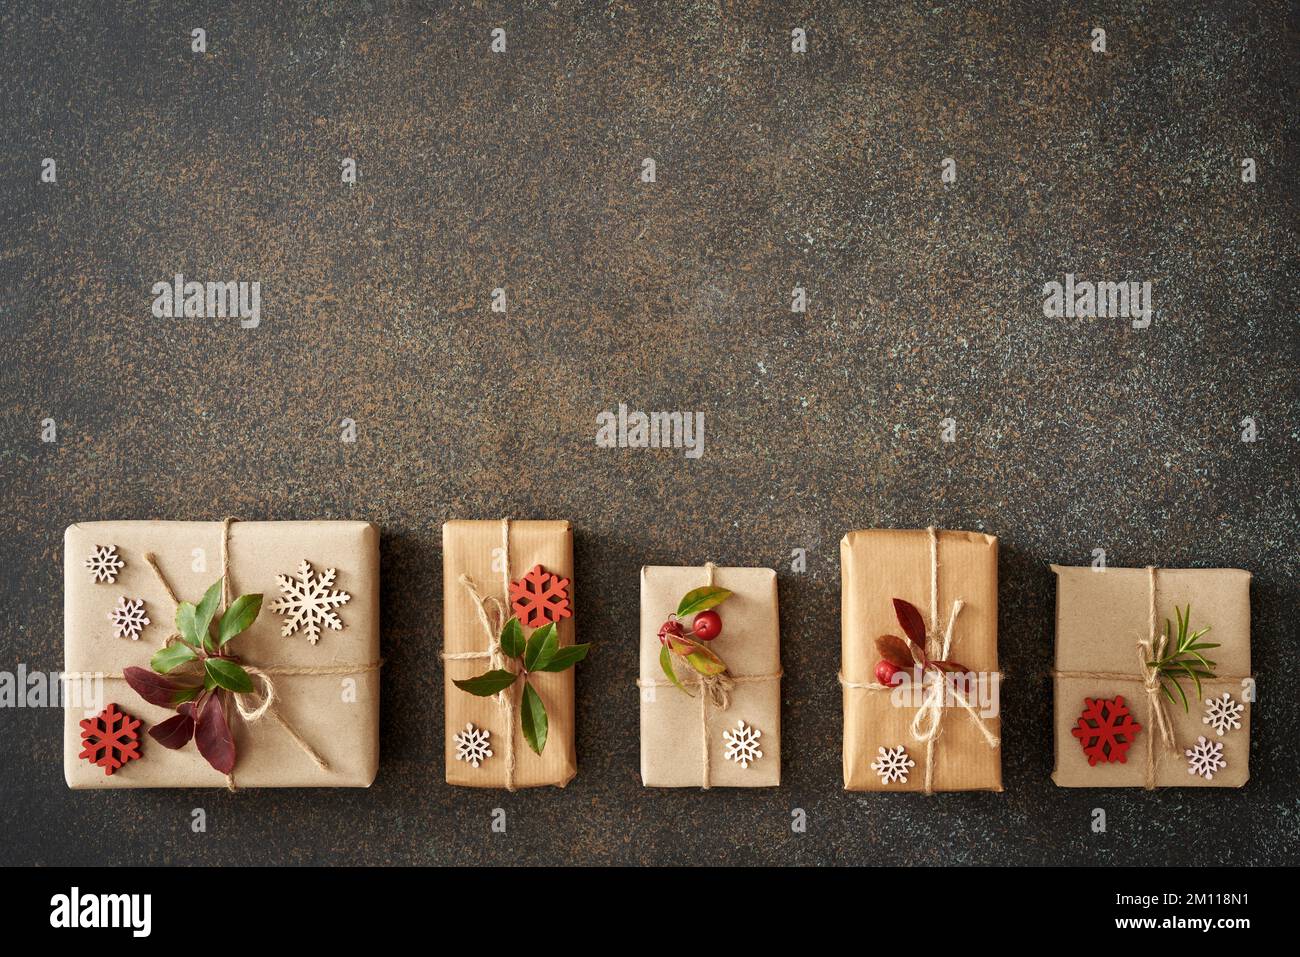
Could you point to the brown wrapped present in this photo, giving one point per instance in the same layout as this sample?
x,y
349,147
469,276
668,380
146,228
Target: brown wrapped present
x,y
1121,722
729,733
483,562
925,734
312,719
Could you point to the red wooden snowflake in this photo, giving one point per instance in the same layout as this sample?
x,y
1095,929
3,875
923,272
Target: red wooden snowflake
x,y
110,739
540,597
1106,729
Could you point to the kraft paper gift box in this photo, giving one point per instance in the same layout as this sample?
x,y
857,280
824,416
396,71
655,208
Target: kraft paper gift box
x,y
327,692
491,555
682,738
1101,617
878,566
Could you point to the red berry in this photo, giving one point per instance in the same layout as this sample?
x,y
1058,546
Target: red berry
x,y
885,672
671,627
707,625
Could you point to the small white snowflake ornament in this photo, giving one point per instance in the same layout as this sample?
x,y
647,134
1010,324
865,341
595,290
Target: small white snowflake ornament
x,y
472,745
309,602
1223,714
104,563
1205,759
742,744
892,764
128,618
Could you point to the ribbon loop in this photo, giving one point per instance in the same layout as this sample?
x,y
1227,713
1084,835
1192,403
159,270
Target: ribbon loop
x,y
268,697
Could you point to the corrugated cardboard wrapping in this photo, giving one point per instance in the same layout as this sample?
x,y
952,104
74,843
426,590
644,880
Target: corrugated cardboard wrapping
x,y
342,727
1101,616
491,554
675,728
878,566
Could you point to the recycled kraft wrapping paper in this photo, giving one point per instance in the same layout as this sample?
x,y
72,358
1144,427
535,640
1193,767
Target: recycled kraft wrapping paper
x,y
877,566
471,548
672,737
338,715
1100,617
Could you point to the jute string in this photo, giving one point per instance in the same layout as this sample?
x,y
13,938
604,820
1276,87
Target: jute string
x,y
492,616
927,723
1150,648
712,690
265,705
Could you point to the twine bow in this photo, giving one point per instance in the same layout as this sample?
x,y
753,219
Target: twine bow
x,y
265,700
712,690
492,616
927,723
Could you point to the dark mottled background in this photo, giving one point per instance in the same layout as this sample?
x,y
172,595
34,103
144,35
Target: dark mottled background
x,y
774,170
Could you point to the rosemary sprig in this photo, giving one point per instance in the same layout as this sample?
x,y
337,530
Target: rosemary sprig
x,y
1180,655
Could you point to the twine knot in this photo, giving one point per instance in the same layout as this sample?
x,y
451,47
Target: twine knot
x,y
717,688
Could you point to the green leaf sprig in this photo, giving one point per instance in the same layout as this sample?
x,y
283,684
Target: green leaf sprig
x,y
1179,656
678,644
197,675
539,653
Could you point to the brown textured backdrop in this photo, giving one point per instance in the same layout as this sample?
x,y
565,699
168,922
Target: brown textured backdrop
x,y
774,170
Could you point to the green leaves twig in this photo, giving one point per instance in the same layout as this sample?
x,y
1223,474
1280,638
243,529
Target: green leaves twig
x,y
1179,656
538,654
196,676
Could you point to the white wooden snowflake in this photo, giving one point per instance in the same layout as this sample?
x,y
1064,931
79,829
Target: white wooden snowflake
x,y
1206,758
472,745
104,563
309,602
893,764
128,618
742,744
1223,714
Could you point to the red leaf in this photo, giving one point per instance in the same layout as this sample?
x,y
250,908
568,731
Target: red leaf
x,y
913,624
176,731
895,650
154,688
949,666
212,736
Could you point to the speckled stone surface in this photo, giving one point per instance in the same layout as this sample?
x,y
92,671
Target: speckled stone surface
x,y
774,169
